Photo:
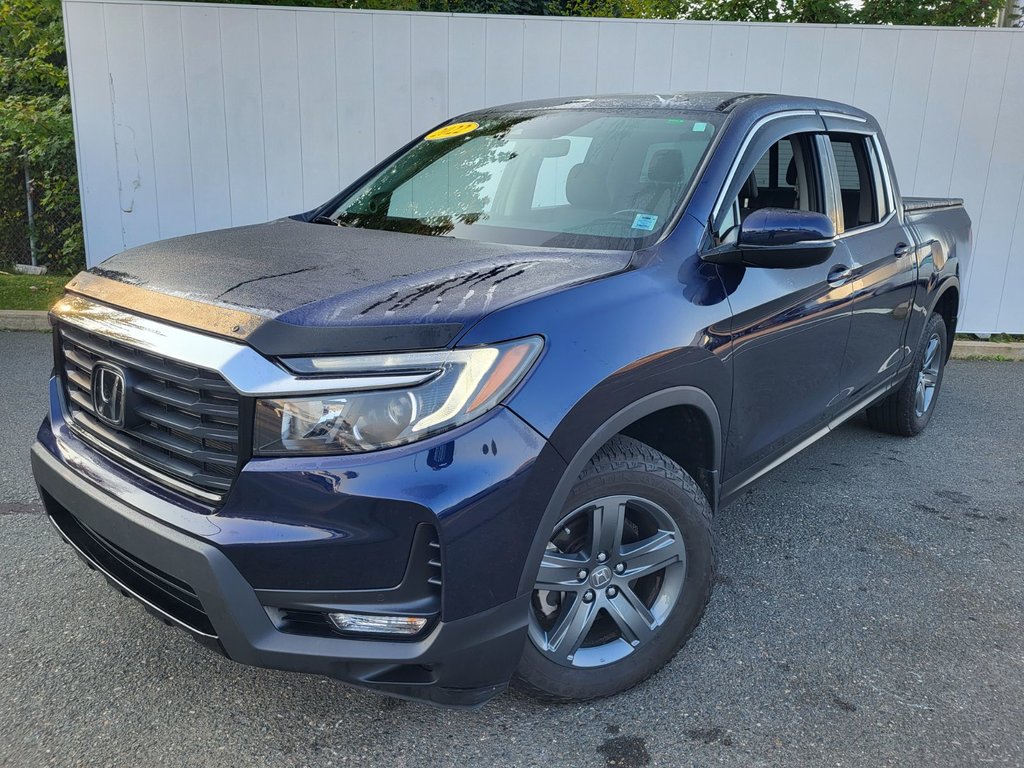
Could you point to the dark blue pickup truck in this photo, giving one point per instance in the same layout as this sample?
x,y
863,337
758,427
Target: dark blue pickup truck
x,y
468,422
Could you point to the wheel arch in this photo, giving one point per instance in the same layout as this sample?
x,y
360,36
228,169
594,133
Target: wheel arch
x,y
638,420
947,305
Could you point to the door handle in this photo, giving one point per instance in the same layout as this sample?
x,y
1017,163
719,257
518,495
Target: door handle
x,y
902,249
838,275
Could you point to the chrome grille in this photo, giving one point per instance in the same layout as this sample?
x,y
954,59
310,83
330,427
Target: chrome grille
x,y
181,421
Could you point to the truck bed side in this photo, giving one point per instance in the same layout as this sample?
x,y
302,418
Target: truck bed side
x,y
942,230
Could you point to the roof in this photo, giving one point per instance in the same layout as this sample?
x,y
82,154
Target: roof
x,y
724,102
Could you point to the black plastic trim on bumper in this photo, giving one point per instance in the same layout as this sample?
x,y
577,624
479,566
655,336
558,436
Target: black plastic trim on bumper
x,y
133,580
460,663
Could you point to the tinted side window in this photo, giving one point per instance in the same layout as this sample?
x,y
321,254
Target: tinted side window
x,y
786,176
771,169
854,167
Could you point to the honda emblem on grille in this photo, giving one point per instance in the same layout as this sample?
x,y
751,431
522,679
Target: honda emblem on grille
x,y
108,394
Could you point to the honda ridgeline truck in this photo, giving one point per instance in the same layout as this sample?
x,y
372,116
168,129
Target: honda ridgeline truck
x,y
468,422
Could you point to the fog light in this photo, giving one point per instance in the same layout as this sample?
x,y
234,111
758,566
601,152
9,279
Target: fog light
x,y
377,625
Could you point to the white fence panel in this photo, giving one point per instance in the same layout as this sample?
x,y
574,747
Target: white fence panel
x,y
190,117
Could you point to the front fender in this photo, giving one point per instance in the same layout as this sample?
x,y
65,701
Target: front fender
x,y
611,426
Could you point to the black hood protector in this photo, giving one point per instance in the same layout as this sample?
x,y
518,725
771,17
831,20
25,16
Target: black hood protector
x,y
316,288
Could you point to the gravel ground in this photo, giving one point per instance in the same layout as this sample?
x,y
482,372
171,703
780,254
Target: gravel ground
x,y
870,611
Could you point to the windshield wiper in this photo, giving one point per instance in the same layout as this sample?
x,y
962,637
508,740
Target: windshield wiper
x,y
328,220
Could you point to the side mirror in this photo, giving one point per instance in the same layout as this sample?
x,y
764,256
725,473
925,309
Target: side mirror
x,y
779,238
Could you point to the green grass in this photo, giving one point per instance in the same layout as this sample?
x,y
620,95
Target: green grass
x,y
30,291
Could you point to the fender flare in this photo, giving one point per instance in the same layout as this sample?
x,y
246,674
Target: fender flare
x,y
951,281
645,406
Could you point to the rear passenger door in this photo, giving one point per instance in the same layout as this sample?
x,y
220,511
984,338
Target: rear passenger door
x,y
872,240
789,326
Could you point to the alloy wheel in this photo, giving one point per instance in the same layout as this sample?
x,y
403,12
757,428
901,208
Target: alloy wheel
x,y
610,577
928,378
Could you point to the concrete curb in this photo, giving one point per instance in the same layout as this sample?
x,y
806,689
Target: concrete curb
x,y
23,320
35,320
968,350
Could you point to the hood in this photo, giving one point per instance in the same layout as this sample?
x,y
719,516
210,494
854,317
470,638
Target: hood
x,y
312,288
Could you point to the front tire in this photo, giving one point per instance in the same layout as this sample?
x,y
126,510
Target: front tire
x,y
625,578
908,410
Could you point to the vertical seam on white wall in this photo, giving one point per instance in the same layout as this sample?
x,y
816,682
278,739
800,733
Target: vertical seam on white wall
x,y
298,116
522,58
960,122
597,58
636,47
337,97
408,49
478,106
1009,258
448,59
672,63
888,105
373,83
224,111
988,175
821,58
149,113
924,111
860,53
263,110
188,122
785,46
113,124
1015,209
746,53
561,27
449,54
707,68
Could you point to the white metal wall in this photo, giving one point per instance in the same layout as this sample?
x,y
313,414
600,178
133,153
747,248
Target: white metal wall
x,y
193,116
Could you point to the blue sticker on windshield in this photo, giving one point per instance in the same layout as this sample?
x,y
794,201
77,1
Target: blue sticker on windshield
x,y
645,221
699,127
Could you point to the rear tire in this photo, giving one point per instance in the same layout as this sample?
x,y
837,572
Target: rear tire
x,y
625,578
908,410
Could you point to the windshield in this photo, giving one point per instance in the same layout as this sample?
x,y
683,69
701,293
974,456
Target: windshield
x,y
559,178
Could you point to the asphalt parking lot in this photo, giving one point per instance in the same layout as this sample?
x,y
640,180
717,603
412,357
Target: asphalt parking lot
x,y
870,611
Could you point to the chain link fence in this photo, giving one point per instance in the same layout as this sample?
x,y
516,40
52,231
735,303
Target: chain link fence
x,y
40,215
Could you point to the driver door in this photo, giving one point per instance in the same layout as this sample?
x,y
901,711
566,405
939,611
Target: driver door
x,y
790,327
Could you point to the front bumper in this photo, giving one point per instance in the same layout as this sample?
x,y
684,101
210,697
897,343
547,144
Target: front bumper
x,y
459,663
289,526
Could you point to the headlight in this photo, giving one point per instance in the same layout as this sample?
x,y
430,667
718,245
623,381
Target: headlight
x,y
459,385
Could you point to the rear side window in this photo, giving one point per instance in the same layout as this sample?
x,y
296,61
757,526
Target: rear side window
x,y
859,180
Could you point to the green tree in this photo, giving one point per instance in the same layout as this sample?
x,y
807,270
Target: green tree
x,y
820,12
942,13
36,136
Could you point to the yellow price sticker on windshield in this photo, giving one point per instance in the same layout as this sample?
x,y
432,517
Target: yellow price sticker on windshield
x,y
451,131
